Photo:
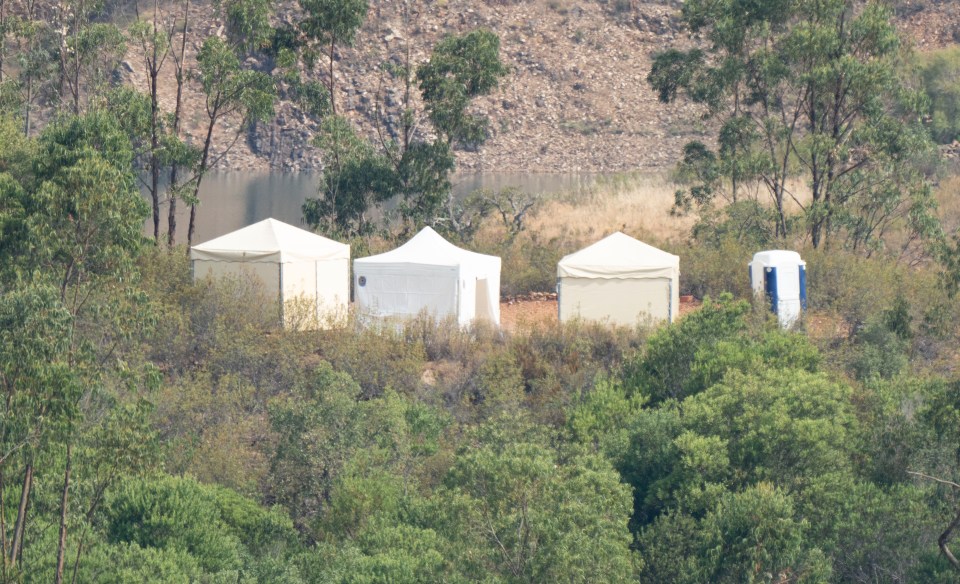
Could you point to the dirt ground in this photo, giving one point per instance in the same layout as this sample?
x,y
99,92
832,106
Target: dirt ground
x,y
520,314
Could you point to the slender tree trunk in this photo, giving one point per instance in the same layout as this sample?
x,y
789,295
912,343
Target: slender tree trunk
x,y
200,172
64,500
3,532
174,169
78,16
97,497
154,159
172,211
76,560
333,106
62,33
153,71
76,80
816,184
27,103
20,524
3,37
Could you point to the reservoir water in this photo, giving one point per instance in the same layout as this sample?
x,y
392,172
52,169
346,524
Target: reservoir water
x,y
231,200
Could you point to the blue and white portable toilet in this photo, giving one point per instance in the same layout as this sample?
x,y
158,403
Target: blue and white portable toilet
x,y
781,277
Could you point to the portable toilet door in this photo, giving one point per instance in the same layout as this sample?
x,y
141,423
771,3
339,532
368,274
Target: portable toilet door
x,y
781,277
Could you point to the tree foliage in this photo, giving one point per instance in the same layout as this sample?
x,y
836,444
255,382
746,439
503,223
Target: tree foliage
x,y
407,164
804,90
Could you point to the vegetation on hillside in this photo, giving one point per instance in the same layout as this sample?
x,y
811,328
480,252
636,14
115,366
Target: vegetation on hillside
x,y
157,429
811,89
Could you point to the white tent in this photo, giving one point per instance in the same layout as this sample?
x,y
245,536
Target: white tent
x,y
781,276
620,280
299,268
429,274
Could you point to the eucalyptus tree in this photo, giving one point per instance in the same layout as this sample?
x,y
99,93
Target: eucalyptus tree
x,y
408,162
36,54
333,22
804,89
162,41
88,50
72,221
180,74
461,69
154,43
233,93
247,23
94,53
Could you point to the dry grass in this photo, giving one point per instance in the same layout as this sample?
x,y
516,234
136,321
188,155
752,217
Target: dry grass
x,y
947,195
637,204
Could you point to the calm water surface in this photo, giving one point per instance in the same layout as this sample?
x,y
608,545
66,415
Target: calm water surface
x,y
231,200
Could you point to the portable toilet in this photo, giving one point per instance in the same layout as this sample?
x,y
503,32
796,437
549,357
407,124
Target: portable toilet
x,y
781,277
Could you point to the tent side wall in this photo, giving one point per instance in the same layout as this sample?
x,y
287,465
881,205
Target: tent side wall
x,y
333,288
675,299
480,291
405,290
619,301
316,291
488,298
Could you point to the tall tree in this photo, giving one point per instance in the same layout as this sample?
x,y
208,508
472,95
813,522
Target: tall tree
x,y
88,50
36,50
804,89
247,23
77,216
232,92
405,162
155,48
333,22
179,64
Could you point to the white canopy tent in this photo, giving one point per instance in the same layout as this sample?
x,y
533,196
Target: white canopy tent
x,y
620,280
430,274
299,268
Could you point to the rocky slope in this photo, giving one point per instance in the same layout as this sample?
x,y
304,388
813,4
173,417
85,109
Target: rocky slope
x,y
576,98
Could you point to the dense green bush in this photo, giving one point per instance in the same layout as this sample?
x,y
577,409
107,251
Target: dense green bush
x,y
665,369
746,222
173,513
561,361
378,359
712,270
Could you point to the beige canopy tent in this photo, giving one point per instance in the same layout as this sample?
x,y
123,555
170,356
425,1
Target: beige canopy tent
x,y
309,274
428,274
620,280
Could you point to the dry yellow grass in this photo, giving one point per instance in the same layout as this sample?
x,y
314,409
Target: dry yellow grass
x,y
948,200
636,204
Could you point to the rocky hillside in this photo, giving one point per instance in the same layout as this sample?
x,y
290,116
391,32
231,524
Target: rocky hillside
x,y
575,100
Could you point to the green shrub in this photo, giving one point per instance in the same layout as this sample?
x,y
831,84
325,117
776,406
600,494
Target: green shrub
x,y
529,264
665,369
746,222
881,353
172,513
447,340
712,270
852,286
376,358
561,361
